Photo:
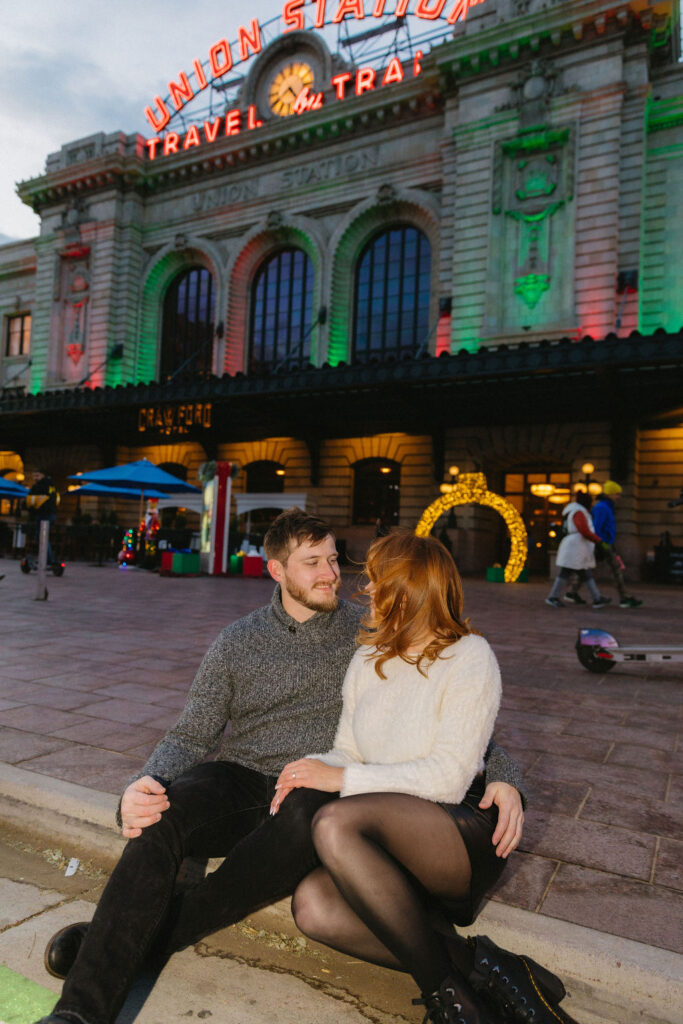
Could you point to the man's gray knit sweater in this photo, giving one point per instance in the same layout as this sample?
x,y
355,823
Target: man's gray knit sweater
x,y
278,682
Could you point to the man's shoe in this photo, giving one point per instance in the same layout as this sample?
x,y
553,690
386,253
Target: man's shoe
x,y
573,598
516,986
630,602
554,602
62,950
601,601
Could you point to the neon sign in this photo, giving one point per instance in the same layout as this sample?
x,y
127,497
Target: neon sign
x,y
224,57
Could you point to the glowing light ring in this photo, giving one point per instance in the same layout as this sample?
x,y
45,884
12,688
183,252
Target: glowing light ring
x,y
472,489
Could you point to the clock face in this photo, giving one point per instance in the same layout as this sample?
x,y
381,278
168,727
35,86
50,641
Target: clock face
x,y
286,86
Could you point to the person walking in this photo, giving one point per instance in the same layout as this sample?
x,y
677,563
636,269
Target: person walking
x,y
576,555
42,501
605,523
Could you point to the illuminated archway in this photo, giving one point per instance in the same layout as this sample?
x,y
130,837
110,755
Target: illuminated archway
x,y
472,489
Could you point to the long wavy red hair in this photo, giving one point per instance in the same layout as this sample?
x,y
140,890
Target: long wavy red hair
x,y
418,592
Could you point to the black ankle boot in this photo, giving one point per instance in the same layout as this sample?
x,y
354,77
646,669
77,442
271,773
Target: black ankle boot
x,y
456,1003
516,986
63,947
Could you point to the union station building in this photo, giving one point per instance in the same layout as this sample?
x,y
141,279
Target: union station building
x,y
349,270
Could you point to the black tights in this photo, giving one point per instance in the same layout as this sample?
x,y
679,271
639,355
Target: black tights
x,y
382,855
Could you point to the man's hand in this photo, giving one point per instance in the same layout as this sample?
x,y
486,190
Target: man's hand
x,y
510,816
309,773
142,804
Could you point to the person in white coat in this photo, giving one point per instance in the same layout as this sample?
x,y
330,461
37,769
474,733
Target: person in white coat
x,y
409,840
576,554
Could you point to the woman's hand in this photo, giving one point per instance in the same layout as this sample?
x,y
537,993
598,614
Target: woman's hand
x,y
510,816
309,773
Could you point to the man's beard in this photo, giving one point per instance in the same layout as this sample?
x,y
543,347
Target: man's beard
x,y
321,603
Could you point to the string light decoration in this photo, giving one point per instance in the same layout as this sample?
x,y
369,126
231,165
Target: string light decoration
x,y
472,489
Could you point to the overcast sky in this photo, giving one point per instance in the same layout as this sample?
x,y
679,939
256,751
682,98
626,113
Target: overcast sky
x,y
69,69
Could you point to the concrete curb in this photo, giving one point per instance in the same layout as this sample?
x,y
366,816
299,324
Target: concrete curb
x,y
610,980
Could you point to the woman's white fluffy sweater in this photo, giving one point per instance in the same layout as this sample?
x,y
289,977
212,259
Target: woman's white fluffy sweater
x,y
414,734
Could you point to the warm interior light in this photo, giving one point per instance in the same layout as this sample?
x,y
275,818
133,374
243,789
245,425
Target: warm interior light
x,y
446,488
19,476
579,487
385,469
542,490
595,488
588,468
552,533
454,470
279,472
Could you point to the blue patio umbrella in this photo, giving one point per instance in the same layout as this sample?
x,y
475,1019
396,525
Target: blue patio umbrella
x,y
11,489
125,493
142,476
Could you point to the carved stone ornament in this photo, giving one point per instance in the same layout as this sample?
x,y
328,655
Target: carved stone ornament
x,y
180,242
386,193
533,179
274,220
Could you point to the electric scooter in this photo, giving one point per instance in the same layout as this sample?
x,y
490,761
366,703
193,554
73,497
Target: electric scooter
x,y
599,651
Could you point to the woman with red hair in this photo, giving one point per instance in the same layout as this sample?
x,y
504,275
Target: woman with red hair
x,y
409,844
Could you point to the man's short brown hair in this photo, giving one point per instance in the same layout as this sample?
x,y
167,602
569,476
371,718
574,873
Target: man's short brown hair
x,y
291,528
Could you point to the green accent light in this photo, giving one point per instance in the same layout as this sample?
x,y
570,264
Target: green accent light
x,y
531,287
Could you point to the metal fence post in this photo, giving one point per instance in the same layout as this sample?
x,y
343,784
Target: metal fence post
x,y
44,540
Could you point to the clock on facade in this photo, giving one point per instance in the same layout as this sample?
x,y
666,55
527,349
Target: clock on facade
x,y
289,81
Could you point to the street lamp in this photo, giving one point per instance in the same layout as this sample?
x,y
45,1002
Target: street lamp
x,y
447,488
588,485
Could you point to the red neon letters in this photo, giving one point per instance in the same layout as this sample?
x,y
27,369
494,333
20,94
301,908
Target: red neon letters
x,y
249,42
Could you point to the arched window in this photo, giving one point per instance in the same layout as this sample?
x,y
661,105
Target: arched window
x,y
391,315
281,311
265,476
376,491
188,324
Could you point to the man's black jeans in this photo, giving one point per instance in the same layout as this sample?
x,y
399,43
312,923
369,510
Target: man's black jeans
x,y
217,810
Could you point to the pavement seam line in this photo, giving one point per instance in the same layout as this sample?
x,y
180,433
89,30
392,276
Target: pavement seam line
x,y
547,888
655,858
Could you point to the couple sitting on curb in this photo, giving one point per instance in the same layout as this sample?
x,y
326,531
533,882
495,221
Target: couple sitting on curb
x,y
429,811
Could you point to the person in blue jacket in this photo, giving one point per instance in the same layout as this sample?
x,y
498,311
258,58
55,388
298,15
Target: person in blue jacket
x,y
605,524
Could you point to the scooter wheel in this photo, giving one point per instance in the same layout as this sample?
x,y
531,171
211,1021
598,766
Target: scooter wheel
x,y
57,570
587,657
24,566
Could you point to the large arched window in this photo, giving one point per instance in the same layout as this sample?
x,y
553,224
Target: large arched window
x,y
391,314
265,476
376,491
281,311
188,324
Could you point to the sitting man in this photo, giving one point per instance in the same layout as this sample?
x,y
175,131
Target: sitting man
x,y
276,675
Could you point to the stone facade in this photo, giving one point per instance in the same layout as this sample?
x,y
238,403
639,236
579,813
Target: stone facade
x,y
540,152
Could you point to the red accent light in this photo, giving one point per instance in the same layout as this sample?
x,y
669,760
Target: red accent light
x,y
192,137
171,143
199,74
394,72
401,8
160,122
339,82
233,122
378,9
365,80
293,16
252,118
180,93
417,66
211,130
319,13
428,11
221,49
152,147
604,654
354,7
247,41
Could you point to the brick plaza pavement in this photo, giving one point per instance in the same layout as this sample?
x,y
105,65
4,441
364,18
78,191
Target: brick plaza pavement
x,y
91,679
